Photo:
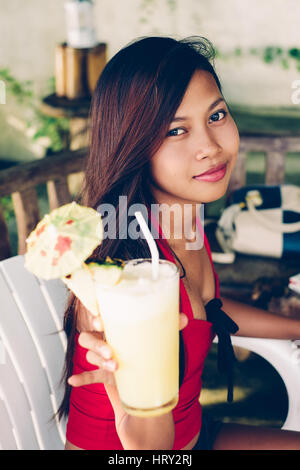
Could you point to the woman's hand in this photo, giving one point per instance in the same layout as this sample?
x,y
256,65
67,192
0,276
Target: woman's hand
x,y
100,354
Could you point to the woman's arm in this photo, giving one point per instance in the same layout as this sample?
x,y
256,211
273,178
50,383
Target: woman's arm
x,y
156,433
141,433
255,322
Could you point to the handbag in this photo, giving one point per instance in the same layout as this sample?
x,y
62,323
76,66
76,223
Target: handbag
x,y
261,220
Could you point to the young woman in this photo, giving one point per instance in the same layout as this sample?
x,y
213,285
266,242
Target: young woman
x,y
159,123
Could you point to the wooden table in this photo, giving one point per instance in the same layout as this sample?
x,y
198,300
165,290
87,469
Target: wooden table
x,y
77,110
257,280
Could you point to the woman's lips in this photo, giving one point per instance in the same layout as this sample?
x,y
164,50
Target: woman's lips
x,y
214,176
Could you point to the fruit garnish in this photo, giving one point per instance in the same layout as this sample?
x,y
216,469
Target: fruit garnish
x,y
83,281
107,273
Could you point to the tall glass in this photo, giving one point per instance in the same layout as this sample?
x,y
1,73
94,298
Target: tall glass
x,y
141,324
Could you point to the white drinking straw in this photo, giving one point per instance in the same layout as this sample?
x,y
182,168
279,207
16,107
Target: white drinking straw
x,y
151,243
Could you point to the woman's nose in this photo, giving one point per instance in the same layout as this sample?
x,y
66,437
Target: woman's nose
x,y
207,146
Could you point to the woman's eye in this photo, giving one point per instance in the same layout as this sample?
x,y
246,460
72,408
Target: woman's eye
x,y
170,133
215,116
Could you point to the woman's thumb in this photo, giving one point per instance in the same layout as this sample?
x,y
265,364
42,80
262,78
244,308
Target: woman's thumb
x,y
183,321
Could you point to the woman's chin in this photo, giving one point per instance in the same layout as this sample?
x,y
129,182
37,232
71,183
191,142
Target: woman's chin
x,y
209,196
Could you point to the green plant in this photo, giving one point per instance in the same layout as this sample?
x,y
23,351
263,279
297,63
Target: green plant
x,y
8,209
51,132
55,130
146,6
268,54
21,90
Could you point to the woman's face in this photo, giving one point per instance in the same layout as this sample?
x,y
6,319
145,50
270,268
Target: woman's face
x,y
202,137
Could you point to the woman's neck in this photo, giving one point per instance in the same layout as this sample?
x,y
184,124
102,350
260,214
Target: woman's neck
x,y
178,223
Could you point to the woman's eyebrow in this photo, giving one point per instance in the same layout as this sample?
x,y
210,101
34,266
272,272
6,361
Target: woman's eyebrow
x,y
211,106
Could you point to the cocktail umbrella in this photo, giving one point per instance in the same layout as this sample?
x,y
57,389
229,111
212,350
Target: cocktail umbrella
x,y
63,240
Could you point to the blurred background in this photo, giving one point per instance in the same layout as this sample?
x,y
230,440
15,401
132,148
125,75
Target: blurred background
x,y
51,54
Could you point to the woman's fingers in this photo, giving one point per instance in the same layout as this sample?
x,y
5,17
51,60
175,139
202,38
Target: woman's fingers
x,y
97,360
183,321
94,342
92,377
99,352
98,324
86,319
85,378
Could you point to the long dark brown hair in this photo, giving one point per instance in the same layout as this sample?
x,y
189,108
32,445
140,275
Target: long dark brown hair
x,y
134,102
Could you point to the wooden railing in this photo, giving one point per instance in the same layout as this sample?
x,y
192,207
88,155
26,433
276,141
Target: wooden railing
x,y
21,181
275,149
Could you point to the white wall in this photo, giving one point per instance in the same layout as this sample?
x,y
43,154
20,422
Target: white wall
x,y
29,30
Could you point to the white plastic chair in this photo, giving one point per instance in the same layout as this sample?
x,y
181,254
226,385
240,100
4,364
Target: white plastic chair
x,y
32,350
284,356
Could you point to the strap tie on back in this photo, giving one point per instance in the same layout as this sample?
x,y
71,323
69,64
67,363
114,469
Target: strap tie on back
x,y
223,326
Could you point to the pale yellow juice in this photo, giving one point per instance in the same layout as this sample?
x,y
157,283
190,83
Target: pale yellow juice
x,y
141,324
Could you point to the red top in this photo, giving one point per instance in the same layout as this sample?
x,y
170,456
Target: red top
x,y
91,423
